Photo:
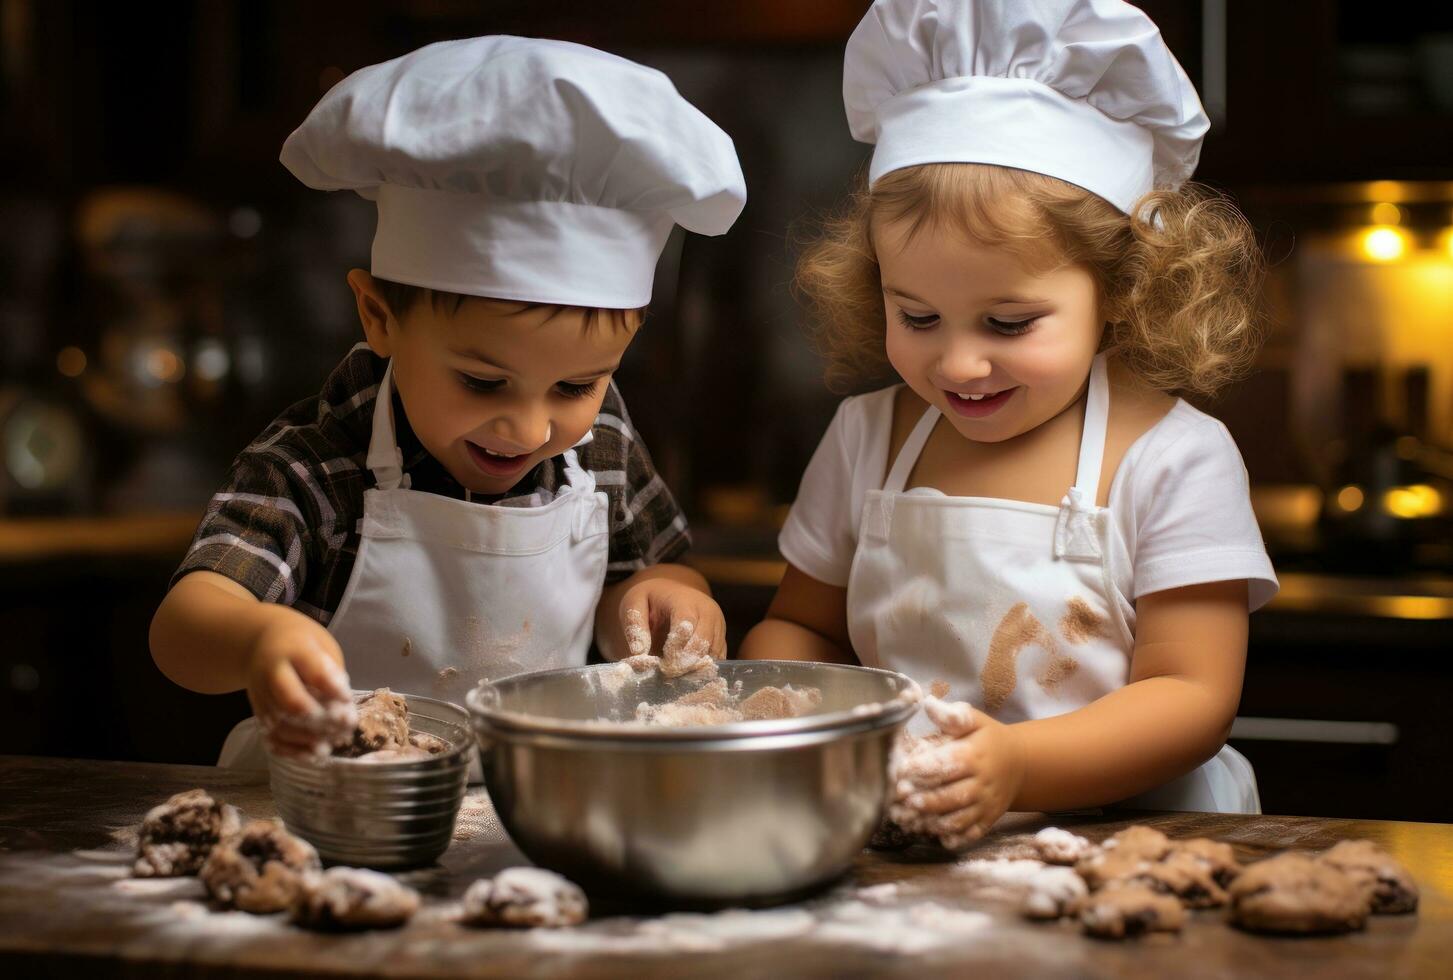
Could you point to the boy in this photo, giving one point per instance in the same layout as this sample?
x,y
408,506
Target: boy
x,y
466,498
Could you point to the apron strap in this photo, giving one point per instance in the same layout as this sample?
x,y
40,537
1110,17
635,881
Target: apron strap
x,y
385,459
912,449
1092,438
578,477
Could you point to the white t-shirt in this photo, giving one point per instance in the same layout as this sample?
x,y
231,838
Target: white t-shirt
x,y
1180,505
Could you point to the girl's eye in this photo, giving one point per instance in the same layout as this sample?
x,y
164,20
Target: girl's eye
x,y
572,390
480,384
1012,328
917,322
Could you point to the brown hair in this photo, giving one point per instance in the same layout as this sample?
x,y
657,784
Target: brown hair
x,y
402,297
1178,279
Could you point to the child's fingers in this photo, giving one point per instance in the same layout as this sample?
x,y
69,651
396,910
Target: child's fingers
x,y
288,695
950,717
637,628
322,675
685,649
945,799
932,768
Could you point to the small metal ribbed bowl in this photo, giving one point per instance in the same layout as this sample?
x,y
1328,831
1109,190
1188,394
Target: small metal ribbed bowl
x,y
747,813
380,814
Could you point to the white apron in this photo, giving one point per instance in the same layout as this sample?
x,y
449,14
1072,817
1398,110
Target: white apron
x,y
446,593
1012,604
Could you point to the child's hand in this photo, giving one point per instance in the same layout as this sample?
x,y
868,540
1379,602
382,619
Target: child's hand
x,y
298,687
956,790
693,626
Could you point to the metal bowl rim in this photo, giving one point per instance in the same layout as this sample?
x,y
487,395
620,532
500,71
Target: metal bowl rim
x,y
891,711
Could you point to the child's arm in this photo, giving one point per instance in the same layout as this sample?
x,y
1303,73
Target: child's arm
x,y
808,620
1185,684
661,596
212,635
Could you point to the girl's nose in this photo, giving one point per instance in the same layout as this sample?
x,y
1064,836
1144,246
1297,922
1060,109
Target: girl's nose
x,y
962,361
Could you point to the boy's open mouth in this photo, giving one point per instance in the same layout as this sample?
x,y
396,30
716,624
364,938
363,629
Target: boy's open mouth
x,y
977,406
496,464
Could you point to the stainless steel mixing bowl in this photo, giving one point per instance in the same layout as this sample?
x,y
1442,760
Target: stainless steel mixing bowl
x,y
380,814
746,813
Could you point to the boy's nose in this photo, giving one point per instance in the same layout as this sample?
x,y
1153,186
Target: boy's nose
x,y
527,428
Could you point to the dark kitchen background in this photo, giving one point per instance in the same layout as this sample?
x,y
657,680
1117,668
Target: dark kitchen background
x,y
166,287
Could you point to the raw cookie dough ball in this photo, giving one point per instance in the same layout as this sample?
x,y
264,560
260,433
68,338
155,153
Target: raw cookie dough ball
x,y
176,836
775,703
1219,858
408,753
1100,868
891,837
1054,892
1144,842
431,744
259,869
1056,846
353,898
1392,889
383,723
1295,893
1183,875
524,897
1128,909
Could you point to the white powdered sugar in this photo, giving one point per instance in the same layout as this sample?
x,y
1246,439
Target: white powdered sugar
x,y
1058,846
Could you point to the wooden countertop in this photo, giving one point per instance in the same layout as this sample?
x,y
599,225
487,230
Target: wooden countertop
x,y
67,907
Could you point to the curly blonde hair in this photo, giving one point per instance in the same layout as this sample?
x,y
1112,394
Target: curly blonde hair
x,y
1178,279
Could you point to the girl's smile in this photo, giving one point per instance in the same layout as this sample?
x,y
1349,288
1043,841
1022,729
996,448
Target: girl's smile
x,y
977,405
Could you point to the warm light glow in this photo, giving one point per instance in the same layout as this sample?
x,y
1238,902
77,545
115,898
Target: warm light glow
x,y
71,361
1386,214
1385,190
1384,243
1350,498
163,364
1445,241
1418,500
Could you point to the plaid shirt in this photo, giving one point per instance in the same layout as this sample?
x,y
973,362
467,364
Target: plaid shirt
x,y
285,523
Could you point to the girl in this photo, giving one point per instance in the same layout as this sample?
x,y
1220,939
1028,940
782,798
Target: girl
x,y
1032,518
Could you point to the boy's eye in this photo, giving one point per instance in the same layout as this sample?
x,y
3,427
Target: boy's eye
x,y
917,322
1012,328
480,384
571,389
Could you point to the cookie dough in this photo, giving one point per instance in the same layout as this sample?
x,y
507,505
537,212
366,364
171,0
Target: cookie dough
x,y
1295,893
1219,858
1100,868
383,723
1056,846
524,897
431,744
1141,841
176,836
774,703
1186,877
259,869
713,703
1054,892
1391,889
352,898
1125,909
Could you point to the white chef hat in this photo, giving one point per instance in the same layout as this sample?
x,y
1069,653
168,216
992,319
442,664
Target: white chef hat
x,y
1082,90
522,169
